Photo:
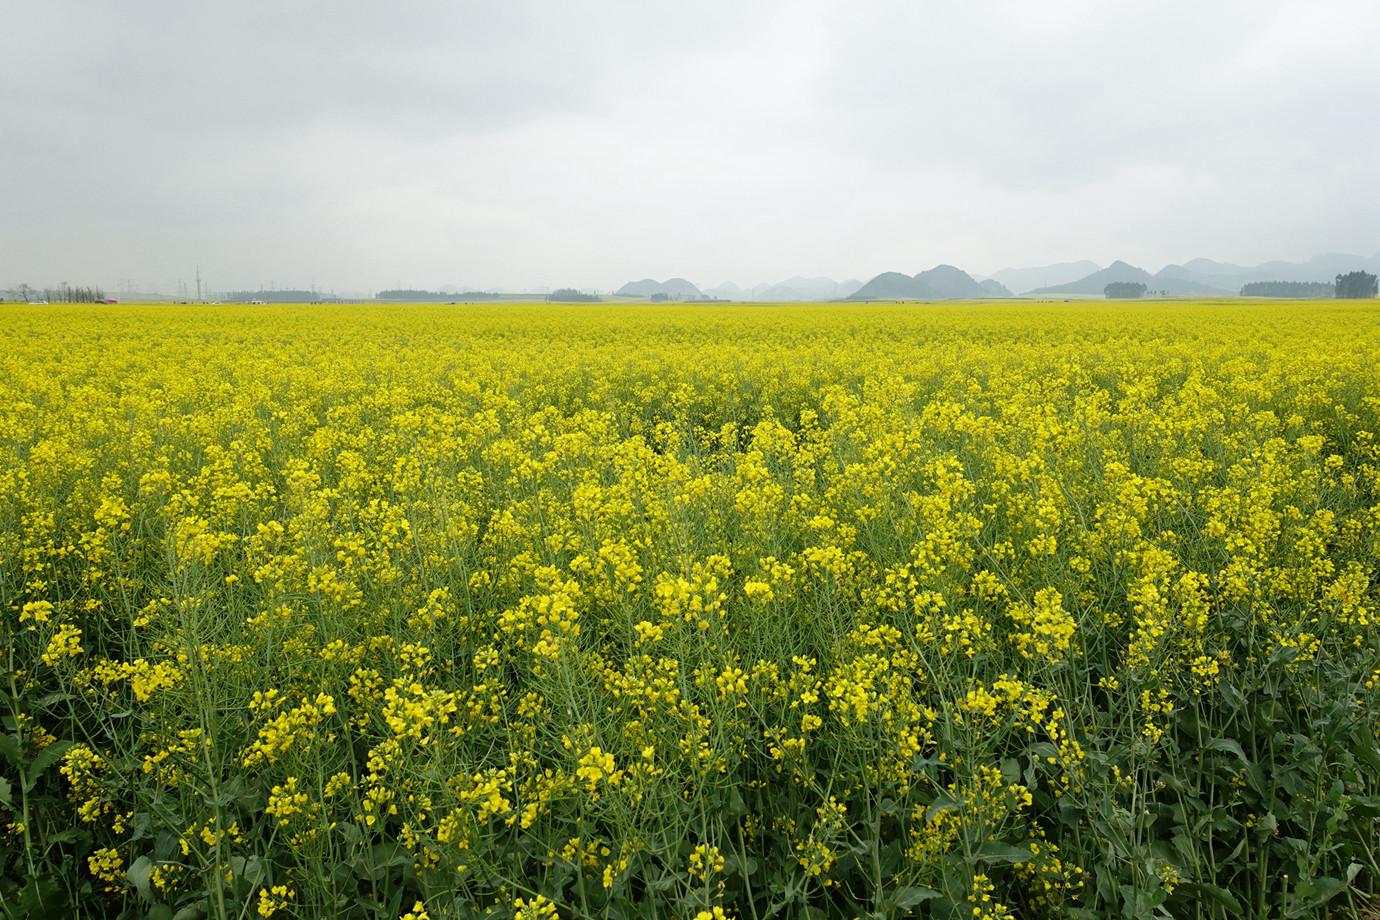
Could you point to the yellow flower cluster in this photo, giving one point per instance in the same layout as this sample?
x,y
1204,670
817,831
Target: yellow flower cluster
x,y
615,603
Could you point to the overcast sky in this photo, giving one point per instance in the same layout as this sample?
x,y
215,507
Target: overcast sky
x,y
361,145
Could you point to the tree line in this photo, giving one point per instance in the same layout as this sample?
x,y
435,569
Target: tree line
x,y
1124,290
570,295
1307,290
63,293
1354,285
414,295
1351,286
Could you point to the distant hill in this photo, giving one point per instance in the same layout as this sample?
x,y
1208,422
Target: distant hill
x,y
1095,283
644,288
1122,272
796,288
674,287
1188,287
951,283
943,282
890,286
808,289
679,287
726,291
1321,269
1022,280
1194,277
781,292
1197,277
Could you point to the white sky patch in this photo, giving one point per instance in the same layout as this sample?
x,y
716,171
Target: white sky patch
x,y
532,142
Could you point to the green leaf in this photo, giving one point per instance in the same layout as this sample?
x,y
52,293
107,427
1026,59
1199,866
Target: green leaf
x,y
138,875
250,871
9,748
944,802
1173,782
907,898
54,698
390,855
68,835
43,760
159,912
743,865
1232,695
1323,890
891,858
994,851
1367,751
6,796
1229,746
1220,895
1224,823
42,898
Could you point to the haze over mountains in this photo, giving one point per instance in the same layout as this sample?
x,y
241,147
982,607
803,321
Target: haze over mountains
x,y
675,288
792,289
1021,280
943,282
1120,271
1204,276
1197,277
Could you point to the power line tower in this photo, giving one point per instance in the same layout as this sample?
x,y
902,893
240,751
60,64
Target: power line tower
x,y
198,284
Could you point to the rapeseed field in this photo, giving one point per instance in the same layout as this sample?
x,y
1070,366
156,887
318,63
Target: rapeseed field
x,y
708,613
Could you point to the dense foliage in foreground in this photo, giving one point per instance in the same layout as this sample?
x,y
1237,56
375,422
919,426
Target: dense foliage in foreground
x,y
980,611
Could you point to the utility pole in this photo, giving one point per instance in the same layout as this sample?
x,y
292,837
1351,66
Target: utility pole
x,y
198,284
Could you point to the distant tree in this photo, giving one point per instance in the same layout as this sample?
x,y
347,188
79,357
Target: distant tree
x,y
273,296
660,296
66,293
570,295
1355,285
1312,290
1124,290
26,293
413,295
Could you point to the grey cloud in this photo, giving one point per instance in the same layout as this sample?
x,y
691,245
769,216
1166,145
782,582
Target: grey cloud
x,y
507,143
1139,82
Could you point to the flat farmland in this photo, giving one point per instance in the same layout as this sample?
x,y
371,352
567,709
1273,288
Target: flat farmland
x,y
983,610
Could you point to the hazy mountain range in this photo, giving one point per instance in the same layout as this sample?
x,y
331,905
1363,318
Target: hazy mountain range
x,y
1204,276
1325,267
794,289
1096,282
1021,280
677,288
944,282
